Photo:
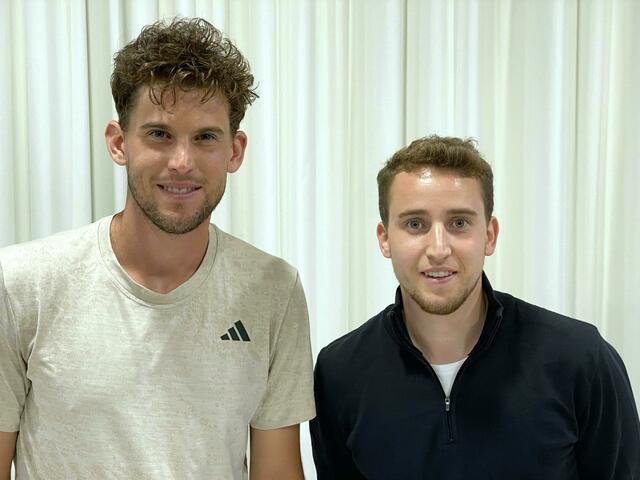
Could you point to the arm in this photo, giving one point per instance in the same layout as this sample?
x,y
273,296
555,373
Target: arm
x,y
331,455
13,383
275,454
609,444
7,450
288,399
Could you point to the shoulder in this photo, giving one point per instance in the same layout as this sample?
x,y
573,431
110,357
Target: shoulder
x,y
50,256
537,318
237,257
550,335
358,349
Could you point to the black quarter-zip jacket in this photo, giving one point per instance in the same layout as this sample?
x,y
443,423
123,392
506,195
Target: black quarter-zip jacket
x,y
541,396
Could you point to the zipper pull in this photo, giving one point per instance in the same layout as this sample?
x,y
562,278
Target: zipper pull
x,y
447,404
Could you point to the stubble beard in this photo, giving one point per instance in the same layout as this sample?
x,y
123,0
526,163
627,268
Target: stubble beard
x,y
168,223
447,308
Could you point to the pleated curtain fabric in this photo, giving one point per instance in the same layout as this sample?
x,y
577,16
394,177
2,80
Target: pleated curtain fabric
x,y
549,88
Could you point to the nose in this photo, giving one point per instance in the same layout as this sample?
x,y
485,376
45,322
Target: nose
x,y
181,160
438,244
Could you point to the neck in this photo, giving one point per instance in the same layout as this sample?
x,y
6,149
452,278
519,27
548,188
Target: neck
x,y
446,338
157,260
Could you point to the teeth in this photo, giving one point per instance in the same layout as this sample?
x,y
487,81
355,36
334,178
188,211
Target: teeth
x,y
439,274
178,190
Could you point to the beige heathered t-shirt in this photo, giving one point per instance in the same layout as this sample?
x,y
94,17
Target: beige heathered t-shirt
x,y
105,379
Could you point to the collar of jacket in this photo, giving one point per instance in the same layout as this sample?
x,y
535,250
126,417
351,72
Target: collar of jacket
x,y
395,319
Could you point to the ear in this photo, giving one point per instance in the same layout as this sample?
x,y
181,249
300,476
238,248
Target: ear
x,y
492,236
383,240
114,136
239,146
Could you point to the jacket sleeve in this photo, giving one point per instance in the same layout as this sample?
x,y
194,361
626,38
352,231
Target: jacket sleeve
x,y
609,440
332,458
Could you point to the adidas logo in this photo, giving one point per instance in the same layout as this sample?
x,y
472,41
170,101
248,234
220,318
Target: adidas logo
x,y
236,334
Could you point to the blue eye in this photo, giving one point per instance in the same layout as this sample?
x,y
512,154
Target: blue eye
x,y
157,134
415,224
206,137
460,223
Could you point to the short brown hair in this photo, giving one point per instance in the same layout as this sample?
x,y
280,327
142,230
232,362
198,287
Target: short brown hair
x,y
187,54
451,153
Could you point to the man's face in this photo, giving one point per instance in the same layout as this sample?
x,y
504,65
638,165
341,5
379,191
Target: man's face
x,y
437,237
177,158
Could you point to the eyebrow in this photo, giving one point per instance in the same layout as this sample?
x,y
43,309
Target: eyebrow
x,y
411,213
463,211
164,126
217,130
453,211
153,125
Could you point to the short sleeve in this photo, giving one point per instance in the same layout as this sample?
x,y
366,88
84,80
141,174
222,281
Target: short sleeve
x,y
288,399
13,369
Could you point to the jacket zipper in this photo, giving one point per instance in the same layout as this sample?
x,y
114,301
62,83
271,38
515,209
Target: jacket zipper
x,y
447,409
447,398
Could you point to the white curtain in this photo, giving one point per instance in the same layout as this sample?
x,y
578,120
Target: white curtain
x,y
548,87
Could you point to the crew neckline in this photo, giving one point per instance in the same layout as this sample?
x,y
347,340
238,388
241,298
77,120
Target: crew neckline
x,y
446,367
141,293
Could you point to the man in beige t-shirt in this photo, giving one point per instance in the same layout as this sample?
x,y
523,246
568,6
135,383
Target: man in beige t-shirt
x,y
150,343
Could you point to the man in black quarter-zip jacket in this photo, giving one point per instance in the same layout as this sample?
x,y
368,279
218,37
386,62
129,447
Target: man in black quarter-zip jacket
x,y
455,381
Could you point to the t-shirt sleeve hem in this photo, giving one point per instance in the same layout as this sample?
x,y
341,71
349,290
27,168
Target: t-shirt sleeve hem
x,y
285,422
9,427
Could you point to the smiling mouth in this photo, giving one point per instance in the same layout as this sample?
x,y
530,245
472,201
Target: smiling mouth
x,y
180,191
443,274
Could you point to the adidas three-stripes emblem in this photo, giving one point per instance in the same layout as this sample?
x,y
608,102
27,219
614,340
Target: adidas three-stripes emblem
x,y
236,334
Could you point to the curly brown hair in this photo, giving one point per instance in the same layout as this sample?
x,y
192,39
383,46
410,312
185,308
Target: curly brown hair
x,y
187,54
450,153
